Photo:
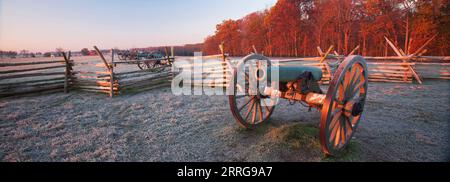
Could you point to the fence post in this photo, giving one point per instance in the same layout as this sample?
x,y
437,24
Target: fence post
x,y
172,52
224,64
67,72
111,74
110,69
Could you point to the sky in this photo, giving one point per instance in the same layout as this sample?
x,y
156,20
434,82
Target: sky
x,y
44,25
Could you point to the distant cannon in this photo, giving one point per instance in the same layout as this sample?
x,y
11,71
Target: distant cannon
x,y
152,60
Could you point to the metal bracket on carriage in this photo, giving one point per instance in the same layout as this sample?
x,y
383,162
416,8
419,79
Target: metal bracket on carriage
x,y
313,99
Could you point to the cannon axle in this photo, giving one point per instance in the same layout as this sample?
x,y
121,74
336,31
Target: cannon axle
x,y
311,98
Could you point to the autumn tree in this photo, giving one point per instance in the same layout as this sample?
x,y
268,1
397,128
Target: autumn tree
x,y
253,32
85,51
297,27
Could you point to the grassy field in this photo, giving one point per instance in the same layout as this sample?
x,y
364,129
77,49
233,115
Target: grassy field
x,y
402,122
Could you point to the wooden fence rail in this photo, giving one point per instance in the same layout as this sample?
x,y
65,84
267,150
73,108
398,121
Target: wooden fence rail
x,y
36,77
385,71
109,77
112,81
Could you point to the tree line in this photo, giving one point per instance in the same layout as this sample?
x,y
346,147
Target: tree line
x,y
297,27
28,54
184,50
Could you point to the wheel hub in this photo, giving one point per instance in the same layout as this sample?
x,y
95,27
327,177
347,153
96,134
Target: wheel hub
x,y
353,108
358,108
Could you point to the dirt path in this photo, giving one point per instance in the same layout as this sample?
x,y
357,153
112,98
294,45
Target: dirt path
x,y
402,122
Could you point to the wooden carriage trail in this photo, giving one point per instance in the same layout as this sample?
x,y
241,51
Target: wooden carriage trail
x,y
107,77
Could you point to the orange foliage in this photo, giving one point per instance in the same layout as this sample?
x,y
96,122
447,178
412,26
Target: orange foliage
x,y
297,27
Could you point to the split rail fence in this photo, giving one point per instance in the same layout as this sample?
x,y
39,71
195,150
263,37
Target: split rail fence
x,y
108,77
18,78
114,77
140,80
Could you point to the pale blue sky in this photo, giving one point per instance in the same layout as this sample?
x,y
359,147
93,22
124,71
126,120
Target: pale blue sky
x,y
43,25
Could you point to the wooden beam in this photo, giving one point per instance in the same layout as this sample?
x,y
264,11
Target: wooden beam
x,y
424,45
254,49
418,79
400,54
32,85
336,53
32,81
30,63
353,51
31,75
319,50
31,69
103,58
37,90
326,54
393,47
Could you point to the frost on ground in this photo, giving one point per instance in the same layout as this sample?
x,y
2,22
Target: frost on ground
x,y
402,122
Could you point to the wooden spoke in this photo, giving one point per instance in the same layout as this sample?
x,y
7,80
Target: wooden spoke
x,y
266,107
354,72
357,75
342,134
333,133
346,80
240,109
249,110
349,92
355,79
357,89
335,124
337,139
260,112
347,89
254,112
341,93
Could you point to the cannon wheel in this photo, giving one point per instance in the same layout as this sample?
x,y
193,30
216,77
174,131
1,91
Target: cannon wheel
x,y
122,56
144,66
343,105
248,110
155,66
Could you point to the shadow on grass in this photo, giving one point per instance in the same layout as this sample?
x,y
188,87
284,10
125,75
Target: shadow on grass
x,y
350,153
135,91
300,142
299,136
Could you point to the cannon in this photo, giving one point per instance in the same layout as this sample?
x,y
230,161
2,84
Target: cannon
x,y
254,95
154,60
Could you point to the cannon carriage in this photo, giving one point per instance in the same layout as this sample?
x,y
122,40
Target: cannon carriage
x,y
257,84
145,60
